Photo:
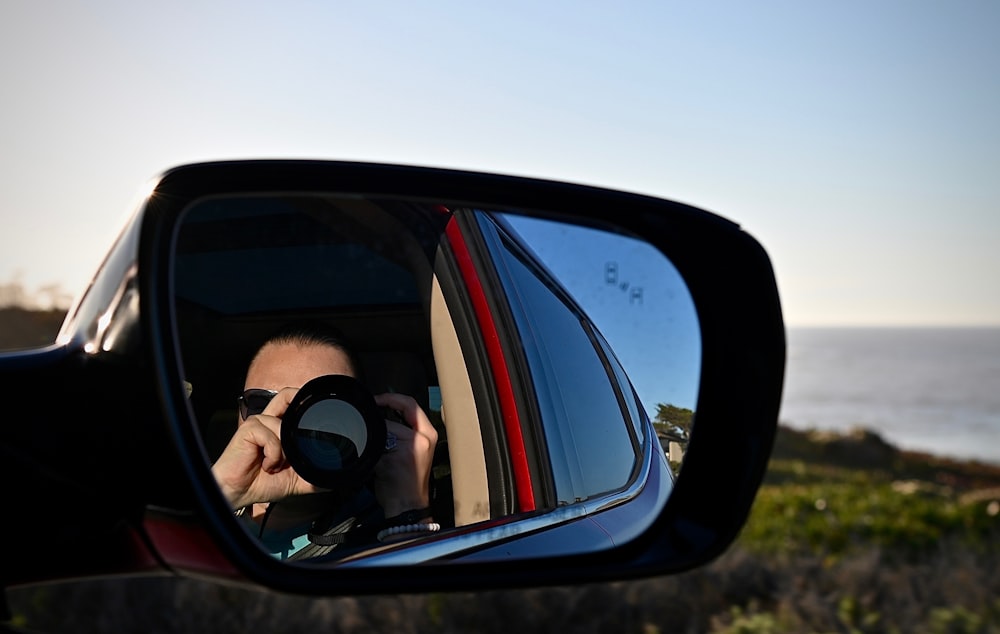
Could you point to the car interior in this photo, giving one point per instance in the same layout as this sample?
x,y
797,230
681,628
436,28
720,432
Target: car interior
x,y
380,272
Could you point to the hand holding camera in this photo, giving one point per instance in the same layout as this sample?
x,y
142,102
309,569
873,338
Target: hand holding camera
x,y
336,435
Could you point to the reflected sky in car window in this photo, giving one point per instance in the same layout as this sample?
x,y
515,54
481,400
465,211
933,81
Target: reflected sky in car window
x,y
636,298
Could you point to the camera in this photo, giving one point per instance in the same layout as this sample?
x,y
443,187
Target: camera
x,y
333,432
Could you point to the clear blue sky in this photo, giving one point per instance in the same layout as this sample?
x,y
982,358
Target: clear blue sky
x,y
636,298
858,141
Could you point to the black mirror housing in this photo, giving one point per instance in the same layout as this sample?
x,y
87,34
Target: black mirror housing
x,y
167,512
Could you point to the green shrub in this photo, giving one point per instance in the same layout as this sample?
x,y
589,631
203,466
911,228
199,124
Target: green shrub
x,y
828,511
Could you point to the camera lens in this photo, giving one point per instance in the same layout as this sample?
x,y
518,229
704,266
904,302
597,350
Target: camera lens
x,y
333,433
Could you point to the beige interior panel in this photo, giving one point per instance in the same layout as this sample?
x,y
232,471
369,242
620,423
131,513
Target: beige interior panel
x,y
461,418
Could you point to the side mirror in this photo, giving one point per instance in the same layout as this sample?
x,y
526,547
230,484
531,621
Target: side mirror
x,y
544,329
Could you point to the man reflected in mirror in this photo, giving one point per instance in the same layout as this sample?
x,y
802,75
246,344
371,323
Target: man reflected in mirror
x,y
294,518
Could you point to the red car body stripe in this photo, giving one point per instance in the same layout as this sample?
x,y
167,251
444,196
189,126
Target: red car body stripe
x,y
498,364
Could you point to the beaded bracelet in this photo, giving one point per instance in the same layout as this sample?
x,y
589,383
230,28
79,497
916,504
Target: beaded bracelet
x,y
432,527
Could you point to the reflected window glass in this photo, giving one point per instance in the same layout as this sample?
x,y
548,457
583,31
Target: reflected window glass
x,y
591,449
637,300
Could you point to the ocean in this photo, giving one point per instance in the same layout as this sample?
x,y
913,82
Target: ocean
x,y
928,389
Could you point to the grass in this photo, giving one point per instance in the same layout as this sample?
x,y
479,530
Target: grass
x,y
22,328
817,500
852,535
831,511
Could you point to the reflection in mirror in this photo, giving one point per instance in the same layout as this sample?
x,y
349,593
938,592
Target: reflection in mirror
x,y
640,303
515,361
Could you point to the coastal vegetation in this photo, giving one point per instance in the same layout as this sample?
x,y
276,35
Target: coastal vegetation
x,y
22,327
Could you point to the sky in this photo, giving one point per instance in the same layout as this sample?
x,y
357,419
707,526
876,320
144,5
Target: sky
x,y
859,142
627,288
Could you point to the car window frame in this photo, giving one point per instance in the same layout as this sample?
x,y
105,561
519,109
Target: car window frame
x,y
499,235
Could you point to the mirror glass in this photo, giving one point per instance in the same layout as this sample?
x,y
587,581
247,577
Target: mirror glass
x,y
640,303
515,358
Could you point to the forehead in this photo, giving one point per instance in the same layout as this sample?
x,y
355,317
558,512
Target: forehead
x,y
280,365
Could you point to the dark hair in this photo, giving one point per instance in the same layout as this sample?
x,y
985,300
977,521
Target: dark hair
x,y
317,333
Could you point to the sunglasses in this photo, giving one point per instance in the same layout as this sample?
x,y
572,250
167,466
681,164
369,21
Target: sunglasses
x,y
253,401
